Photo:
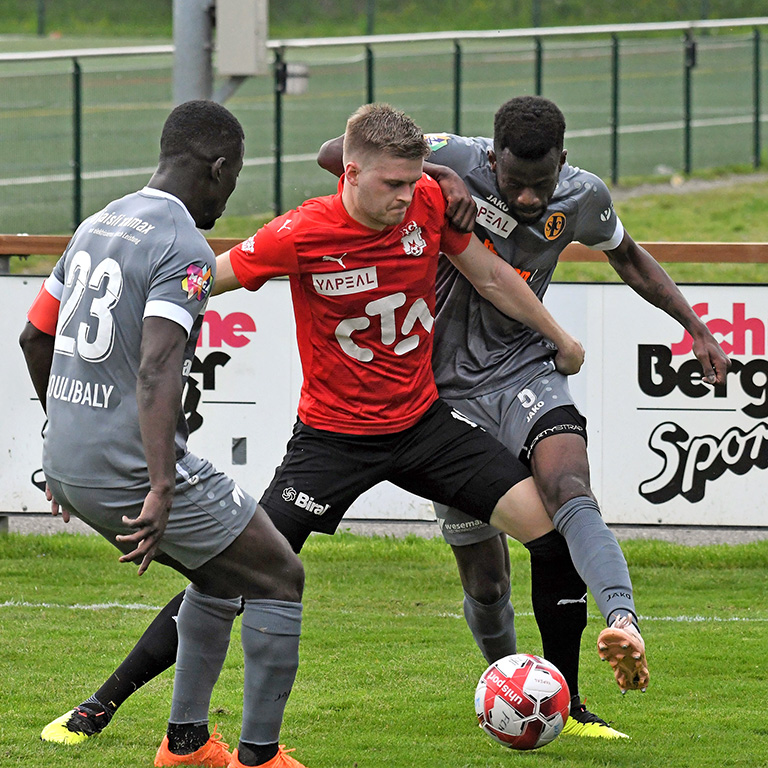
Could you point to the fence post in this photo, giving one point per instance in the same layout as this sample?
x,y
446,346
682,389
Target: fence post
x,y
539,66
456,87
614,109
756,146
369,62
690,63
41,18
77,144
281,78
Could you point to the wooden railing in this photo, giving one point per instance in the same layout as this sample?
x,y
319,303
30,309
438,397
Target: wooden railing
x,y
735,253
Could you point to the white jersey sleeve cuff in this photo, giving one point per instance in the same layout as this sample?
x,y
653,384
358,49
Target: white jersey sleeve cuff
x,y
54,287
159,308
614,241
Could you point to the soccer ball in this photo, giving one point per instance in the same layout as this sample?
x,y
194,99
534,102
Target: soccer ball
x,y
522,701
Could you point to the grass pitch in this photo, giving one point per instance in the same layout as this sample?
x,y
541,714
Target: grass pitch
x,y
388,668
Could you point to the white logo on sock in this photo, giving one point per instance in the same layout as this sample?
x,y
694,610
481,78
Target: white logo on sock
x,y
568,601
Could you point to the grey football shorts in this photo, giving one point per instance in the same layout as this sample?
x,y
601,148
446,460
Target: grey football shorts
x,y
520,420
209,510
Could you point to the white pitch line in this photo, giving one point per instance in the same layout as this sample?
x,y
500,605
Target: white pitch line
x,y
673,125
121,173
586,133
142,607
81,606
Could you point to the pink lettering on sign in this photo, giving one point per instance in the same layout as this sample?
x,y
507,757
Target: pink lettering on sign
x,y
231,330
740,328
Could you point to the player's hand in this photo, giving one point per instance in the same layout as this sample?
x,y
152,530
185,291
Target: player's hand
x,y
570,356
55,506
460,208
149,528
714,362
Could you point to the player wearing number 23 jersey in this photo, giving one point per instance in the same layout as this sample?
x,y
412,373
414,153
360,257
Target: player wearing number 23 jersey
x,y
364,301
140,257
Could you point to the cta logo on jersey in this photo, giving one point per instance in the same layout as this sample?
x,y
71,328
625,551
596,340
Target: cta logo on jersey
x,y
554,226
413,243
198,282
492,218
344,283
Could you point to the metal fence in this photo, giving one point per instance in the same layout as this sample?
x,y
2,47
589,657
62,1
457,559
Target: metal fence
x,y
82,127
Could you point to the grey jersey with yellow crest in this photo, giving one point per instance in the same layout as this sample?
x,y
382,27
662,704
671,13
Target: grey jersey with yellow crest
x,y
140,256
477,348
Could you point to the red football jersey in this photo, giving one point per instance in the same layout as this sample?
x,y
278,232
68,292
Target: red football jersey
x,y
364,302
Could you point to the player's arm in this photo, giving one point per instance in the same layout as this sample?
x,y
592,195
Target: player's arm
x,y
226,280
460,208
37,347
37,341
498,282
158,394
331,156
639,270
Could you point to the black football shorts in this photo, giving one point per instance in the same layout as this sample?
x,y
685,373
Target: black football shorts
x,y
444,457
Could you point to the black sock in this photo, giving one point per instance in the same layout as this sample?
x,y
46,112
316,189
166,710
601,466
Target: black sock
x,y
558,595
186,738
153,653
255,754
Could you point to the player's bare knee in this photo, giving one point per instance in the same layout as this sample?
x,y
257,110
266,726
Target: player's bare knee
x,y
278,576
563,489
291,578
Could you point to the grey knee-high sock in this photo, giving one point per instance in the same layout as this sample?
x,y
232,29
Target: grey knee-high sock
x,y
597,556
270,637
492,626
204,625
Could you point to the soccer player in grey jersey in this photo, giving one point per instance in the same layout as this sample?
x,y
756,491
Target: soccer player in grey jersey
x,y
530,204
125,305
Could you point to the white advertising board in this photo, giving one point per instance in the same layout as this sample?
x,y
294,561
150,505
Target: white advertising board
x,y
664,448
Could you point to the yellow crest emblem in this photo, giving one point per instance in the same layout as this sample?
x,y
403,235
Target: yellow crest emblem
x,y
554,226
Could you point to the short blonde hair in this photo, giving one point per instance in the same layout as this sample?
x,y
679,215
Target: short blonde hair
x,y
382,128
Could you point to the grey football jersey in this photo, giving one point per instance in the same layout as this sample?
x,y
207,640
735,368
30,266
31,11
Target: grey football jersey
x,y
140,256
478,349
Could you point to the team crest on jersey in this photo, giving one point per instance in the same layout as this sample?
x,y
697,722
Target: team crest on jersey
x,y
198,282
554,226
247,245
436,140
413,243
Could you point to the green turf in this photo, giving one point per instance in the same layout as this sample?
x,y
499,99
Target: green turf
x,y
660,217
125,101
388,668
301,18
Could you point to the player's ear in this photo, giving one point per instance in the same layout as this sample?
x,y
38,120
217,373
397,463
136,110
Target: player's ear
x,y
492,159
352,172
216,167
563,155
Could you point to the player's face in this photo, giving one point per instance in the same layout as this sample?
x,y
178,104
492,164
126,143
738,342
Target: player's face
x,y
223,185
527,186
381,188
